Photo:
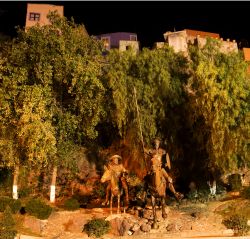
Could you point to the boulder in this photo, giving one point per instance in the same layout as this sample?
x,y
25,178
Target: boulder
x,y
145,227
120,226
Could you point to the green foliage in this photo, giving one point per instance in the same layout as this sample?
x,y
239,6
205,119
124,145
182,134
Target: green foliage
x,y
201,196
219,105
154,79
97,227
238,223
99,190
14,204
71,204
7,225
57,92
24,192
38,208
51,94
246,192
235,182
83,200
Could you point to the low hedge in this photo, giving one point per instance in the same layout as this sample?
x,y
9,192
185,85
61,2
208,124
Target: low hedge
x,y
97,227
14,204
71,204
38,208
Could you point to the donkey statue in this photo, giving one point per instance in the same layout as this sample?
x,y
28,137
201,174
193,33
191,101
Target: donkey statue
x,y
116,187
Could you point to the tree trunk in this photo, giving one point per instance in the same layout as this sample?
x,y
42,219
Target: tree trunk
x,y
53,185
15,181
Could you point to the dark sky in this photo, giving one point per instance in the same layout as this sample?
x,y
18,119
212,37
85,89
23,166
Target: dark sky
x,y
149,19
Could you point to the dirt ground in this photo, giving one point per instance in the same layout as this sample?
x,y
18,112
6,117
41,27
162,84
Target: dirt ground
x,y
185,220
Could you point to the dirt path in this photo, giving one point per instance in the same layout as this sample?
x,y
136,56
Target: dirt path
x,y
184,221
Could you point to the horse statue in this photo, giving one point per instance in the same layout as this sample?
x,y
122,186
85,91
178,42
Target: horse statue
x,y
155,185
116,187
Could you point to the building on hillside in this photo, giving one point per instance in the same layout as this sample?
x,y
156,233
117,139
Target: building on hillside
x,y
120,40
179,40
246,53
158,45
37,13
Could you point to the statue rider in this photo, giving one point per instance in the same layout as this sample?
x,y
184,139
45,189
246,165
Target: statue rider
x,y
117,167
157,163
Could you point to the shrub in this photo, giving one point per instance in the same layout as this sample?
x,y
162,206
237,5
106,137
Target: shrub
x,y
238,223
14,204
99,189
24,192
38,208
7,225
71,204
246,193
83,200
97,227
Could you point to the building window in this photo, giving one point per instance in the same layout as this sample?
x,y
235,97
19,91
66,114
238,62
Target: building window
x,y
133,38
34,16
106,42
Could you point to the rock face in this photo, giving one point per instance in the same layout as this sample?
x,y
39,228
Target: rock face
x,y
35,225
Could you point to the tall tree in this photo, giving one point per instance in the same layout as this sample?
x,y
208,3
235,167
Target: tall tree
x,y
157,76
220,105
51,93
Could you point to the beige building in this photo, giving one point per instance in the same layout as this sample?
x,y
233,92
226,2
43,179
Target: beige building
x,y
37,13
125,45
246,52
179,40
159,45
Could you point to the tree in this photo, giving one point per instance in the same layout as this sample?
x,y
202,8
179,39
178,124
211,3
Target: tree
x,y
157,75
51,93
220,105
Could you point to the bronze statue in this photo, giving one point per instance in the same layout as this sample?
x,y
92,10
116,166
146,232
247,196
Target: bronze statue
x,y
155,185
115,174
157,180
162,153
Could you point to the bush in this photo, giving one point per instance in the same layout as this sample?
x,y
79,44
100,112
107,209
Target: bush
x,y
238,223
24,192
83,200
97,227
246,193
71,204
99,189
7,225
38,208
14,204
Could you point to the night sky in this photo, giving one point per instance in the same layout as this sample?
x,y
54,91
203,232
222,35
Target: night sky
x,y
149,19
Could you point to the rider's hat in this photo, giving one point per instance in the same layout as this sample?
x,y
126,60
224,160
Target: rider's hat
x,y
116,156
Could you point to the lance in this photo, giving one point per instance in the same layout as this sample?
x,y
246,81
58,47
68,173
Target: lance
x,y
140,128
